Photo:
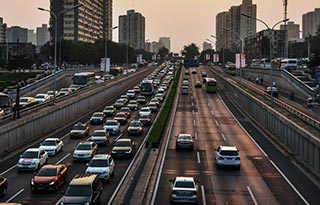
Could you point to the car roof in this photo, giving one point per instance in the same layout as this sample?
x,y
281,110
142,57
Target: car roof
x,y
124,140
51,138
32,150
101,156
85,142
51,165
228,147
188,179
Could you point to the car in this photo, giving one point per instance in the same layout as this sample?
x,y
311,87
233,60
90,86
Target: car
x,y
121,117
74,87
153,106
64,91
79,130
135,128
52,93
98,118
42,98
110,110
112,126
119,103
184,190
162,91
125,98
204,74
103,165
52,145
145,110
123,148
226,155
32,159
100,137
155,100
160,96
136,89
198,84
85,150
83,189
184,141
185,90
275,92
126,110
194,71
49,178
133,105
145,119
131,94
185,82
141,99
25,102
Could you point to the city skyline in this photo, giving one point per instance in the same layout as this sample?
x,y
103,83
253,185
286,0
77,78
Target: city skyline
x,y
176,19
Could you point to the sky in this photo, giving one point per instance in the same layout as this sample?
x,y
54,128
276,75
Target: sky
x,y
184,21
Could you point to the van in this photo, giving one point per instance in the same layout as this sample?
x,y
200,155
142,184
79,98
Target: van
x,y
289,64
83,189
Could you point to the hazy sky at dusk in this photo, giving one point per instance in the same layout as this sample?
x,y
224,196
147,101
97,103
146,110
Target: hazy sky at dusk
x,y
185,21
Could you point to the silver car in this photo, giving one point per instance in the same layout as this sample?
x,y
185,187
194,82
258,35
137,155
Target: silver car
x,y
227,156
184,190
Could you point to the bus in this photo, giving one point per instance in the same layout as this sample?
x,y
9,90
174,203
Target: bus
x,y
210,84
84,79
6,103
146,88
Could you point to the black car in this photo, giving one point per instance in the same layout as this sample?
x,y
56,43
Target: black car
x,y
123,148
198,84
98,118
110,111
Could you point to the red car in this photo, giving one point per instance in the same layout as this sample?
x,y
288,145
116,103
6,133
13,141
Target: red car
x,y
49,177
126,110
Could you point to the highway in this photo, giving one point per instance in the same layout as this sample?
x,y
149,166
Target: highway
x,y
207,118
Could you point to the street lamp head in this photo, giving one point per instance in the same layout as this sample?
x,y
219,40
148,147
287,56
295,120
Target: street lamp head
x,y
41,9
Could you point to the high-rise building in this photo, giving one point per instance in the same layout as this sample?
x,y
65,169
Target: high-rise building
x,y
43,35
132,29
206,46
293,30
87,23
3,31
230,25
165,42
154,47
310,22
32,37
17,34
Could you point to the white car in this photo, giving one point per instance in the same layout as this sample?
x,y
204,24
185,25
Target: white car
x,y
103,165
42,98
112,126
52,145
131,94
184,190
145,111
32,159
84,151
227,156
100,137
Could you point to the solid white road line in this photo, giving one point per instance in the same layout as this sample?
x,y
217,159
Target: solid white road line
x,y
212,113
8,170
217,123
14,196
203,194
252,196
196,136
193,112
194,122
198,157
119,137
289,182
224,138
63,158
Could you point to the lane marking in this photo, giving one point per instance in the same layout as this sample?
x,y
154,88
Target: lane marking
x,y
63,158
252,196
193,112
196,136
8,170
209,105
203,194
212,113
289,182
59,202
198,157
194,122
224,138
217,123
191,97
118,137
14,196
192,104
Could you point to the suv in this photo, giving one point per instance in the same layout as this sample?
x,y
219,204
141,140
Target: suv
x,y
184,189
32,159
83,189
227,156
103,165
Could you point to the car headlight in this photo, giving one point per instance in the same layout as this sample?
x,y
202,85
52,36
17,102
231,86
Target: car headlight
x,y
34,163
52,183
87,203
32,182
129,151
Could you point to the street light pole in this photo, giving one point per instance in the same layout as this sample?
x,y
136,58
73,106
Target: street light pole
x,y
270,43
106,48
55,43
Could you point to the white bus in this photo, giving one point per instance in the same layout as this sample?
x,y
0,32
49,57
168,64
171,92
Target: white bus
x,y
84,79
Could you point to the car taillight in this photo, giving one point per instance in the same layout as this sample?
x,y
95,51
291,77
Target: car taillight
x,y
194,192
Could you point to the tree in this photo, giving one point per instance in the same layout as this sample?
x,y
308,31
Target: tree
x,y
190,51
163,52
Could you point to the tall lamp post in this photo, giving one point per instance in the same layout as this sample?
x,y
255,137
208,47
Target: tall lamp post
x,y
213,36
106,48
208,40
55,42
241,46
270,43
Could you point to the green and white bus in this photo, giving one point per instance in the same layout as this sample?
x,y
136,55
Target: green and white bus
x,y
210,84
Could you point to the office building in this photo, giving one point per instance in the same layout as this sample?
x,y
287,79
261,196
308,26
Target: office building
x,y
293,30
86,23
132,29
17,34
43,35
32,37
310,23
231,25
165,42
3,31
154,47
206,46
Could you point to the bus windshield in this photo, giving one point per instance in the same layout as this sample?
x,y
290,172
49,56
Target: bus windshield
x,y
5,101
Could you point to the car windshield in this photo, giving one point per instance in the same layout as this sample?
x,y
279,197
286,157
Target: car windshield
x,y
184,137
99,134
78,190
23,100
229,153
109,108
79,127
47,172
124,110
30,154
184,184
97,115
39,96
122,144
134,124
111,123
84,147
144,117
120,115
48,143
98,163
